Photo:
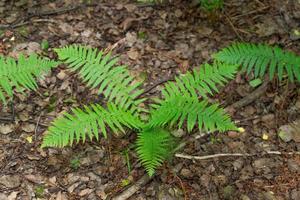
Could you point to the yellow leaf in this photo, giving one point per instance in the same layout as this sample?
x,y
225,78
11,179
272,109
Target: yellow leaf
x,y
241,129
265,136
29,139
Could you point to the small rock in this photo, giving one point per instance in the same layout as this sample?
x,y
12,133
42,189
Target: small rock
x,y
186,173
10,181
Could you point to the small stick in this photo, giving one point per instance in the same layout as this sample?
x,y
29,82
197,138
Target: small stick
x,y
178,155
233,28
252,96
134,188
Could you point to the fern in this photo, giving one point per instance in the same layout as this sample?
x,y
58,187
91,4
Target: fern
x,y
181,108
180,104
153,147
203,81
21,73
88,121
262,59
99,70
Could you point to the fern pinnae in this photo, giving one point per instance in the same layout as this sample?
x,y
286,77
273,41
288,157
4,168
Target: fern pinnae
x,y
261,59
78,124
101,71
153,147
202,80
21,73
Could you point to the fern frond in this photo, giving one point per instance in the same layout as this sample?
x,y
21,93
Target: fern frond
x,y
262,59
203,81
87,122
180,109
153,147
101,71
21,73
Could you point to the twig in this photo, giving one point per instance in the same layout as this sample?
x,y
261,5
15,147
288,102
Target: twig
x,y
178,155
36,126
33,21
233,28
134,188
154,86
57,11
112,47
252,96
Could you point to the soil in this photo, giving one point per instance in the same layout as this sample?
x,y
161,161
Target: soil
x,y
157,42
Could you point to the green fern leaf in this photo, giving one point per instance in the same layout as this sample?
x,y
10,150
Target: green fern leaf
x,y
101,71
180,109
201,81
261,59
153,147
87,122
21,73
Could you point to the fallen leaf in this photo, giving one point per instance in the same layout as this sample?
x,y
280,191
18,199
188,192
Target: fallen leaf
x,y
5,129
265,136
133,54
29,139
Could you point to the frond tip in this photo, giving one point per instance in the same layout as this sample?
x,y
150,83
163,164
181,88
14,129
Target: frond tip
x,y
87,122
262,59
21,73
153,147
101,71
182,109
203,80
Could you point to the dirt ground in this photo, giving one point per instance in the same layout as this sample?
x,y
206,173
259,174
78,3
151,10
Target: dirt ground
x,y
156,42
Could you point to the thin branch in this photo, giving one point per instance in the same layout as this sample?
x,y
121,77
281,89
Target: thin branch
x,y
252,96
178,155
134,188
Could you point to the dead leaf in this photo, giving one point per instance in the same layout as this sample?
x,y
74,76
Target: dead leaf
x,y
5,129
12,196
29,128
133,54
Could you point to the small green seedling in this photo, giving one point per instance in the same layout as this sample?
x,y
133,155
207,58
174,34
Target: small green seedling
x,y
256,82
45,45
75,163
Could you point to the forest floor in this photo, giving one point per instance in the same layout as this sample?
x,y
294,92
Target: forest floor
x,y
156,42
